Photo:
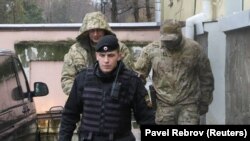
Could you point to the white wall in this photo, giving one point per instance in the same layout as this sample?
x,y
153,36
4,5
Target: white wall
x,y
233,6
217,56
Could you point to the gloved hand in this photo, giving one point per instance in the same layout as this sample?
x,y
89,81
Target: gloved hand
x,y
149,104
148,101
203,109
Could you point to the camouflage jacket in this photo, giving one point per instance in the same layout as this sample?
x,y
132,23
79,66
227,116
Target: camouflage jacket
x,y
179,77
82,53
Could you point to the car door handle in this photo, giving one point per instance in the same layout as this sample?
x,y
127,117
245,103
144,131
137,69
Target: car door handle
x,y
26,109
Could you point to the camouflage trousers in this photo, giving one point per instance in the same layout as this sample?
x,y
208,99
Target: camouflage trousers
x,y
187,114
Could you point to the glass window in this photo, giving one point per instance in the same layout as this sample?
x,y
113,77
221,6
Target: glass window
x,y
21,76
72,11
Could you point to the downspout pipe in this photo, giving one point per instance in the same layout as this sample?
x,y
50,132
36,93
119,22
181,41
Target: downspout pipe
x,y
198,19
158,11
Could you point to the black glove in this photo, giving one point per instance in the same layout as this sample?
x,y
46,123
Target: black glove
x,y
203,109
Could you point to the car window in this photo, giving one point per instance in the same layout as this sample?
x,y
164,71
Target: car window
x,y
21,76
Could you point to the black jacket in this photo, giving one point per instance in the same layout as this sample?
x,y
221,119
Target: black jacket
x,y
74,105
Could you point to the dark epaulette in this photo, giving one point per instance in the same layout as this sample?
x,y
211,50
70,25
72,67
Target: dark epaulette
x,y
82,77
86,72
83,71
132,73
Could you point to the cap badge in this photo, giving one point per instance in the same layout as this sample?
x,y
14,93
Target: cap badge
x,y
105,48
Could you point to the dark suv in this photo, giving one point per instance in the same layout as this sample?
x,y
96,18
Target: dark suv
x,y
17,109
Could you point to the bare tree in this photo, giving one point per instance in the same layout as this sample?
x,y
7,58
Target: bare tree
x,y
65,11
135,10
148,14
72,11
3,10
114,11
79,8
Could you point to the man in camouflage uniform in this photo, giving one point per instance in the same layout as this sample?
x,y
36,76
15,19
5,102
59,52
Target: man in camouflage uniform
x,y
82,53
182,76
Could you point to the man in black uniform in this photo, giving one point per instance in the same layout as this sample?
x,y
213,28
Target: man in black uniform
x,y
105,96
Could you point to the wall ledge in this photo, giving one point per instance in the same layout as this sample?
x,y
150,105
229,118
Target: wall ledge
x,y
77,26
235,21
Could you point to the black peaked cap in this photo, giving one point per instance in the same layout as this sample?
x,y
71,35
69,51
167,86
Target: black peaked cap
x,y
107,43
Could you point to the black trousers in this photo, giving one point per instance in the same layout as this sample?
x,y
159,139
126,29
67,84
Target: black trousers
x,y
86,137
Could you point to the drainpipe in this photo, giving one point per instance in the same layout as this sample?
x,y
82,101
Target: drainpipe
x,y
198,19
157,11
